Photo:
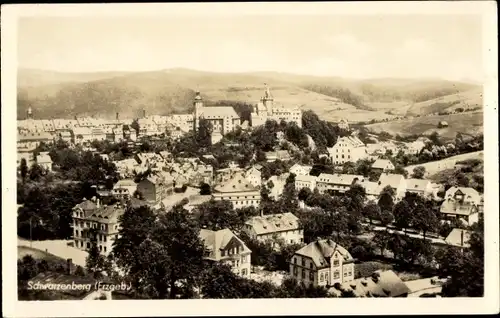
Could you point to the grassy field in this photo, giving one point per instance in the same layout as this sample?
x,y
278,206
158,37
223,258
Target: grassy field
x,y
37,254
468,123
434,167
465,100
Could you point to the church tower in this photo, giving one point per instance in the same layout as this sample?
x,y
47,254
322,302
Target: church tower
x,y
268,100
29,113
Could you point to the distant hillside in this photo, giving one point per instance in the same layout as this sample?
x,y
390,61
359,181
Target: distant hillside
x,y
468,123
53,94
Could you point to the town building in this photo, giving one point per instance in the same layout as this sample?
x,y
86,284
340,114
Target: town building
x,y
419,186
278,185
300,170
383,165
155,188
124,189
305,181
27,141
275,227
347,149
339,183
372,190
238,191
282,155
224,246
380,284
92,218
322,263
254,176
396,181
460,206
463,194
44,161
266,110
222,118
459,238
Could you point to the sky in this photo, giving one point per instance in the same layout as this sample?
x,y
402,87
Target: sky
x,y
368,46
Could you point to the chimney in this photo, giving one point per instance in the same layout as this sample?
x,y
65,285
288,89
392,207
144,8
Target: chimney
x,y
69,264
98,203
461,238
144,113
117,116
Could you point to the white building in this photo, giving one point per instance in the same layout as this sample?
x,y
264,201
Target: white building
x,y
396,181
225,247
383,165
300,170
222,118
124,189
347,149
238,191
419,186
322,263
266,110
283,226
254,176
44,161
337,182
305,181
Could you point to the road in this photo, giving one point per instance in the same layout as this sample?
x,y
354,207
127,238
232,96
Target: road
x,y
433,240
58,248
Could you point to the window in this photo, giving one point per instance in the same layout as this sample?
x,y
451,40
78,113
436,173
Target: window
x,y
321,277
303,274
295,260
345,274
311,276
244,272
304,262
311,264
336,275
222,253
295,271
104,249
100,248
336,262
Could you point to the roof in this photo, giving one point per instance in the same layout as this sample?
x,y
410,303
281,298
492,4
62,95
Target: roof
x,y
417,184
219,112
274,223
215,241
125,183
321,251
43,158
371,188
34,136
342,179
394,180
280,154
470,193
388,284
382,164
452,206
305,178
238,183
351,140
304,167
455,237
86,205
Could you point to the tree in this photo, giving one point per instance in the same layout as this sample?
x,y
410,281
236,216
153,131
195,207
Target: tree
x,y
162,255
205,189
218,215
418,172
386,200
386,217
425,219
36,172
204,133
403,216
304,193
24,169
371,212
381,240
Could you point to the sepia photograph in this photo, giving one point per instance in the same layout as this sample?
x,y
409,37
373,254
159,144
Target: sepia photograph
x,y
282,151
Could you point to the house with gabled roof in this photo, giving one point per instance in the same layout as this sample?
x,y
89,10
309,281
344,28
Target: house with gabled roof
x,y
396,181
383,165
254,176
456,209
464,194
274,227
224,246
347,149
379,284
44,161
305,181
300,170
238,190
322,263
459,238
419,186
90,217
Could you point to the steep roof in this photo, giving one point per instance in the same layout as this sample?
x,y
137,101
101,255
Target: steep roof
x,y
388,284
86,205
353,141
455,237
382,164
452,206
238,183
371,188
417,184
34,136
304,167
320,252
215,241
305,178
470,193
274,223
394,180
43,158
219,112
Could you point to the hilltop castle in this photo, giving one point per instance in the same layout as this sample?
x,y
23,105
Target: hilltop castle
x,y
266,109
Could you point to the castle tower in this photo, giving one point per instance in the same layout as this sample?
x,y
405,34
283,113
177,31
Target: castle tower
x,y
29,113
268,99
198,109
